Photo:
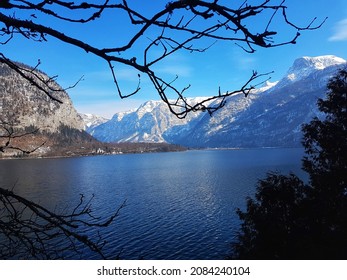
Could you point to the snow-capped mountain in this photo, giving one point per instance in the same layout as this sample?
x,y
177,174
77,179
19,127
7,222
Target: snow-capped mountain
x,y
269,117
305,66
91,121
148,123
274,117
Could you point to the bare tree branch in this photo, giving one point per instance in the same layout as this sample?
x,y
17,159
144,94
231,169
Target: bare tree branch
x,y
177,26
29,230
46,85
9,132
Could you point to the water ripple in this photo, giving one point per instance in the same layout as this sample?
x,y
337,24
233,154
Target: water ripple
x,y
179,205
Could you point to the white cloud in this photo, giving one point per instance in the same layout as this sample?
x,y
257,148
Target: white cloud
x,y
340,31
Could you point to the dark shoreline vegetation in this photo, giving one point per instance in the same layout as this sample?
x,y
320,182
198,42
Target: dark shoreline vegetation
x,y
291,219
70,142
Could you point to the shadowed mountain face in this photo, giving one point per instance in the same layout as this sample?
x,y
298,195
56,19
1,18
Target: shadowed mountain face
x,y
269,117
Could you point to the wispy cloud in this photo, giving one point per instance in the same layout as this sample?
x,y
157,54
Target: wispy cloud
x,y
340,31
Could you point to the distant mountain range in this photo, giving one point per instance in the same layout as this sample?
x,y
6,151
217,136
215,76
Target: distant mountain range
x,y
33,124
91,121
271,116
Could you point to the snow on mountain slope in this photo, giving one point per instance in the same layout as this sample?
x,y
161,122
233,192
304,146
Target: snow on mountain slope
x,y
269,116
146,124
305,66
275,117
91,121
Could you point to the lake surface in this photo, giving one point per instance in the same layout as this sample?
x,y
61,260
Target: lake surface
x,y
179,205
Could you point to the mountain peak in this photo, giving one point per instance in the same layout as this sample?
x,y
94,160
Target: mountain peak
x,y
304,66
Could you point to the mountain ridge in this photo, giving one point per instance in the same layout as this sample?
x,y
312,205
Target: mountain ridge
x,y
34,125
253,121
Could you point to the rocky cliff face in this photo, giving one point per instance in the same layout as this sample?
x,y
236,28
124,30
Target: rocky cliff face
x,y
37,123
24,105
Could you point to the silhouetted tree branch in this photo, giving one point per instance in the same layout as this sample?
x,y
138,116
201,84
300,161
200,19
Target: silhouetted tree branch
x,y
34,76
171,28
9,133
30,231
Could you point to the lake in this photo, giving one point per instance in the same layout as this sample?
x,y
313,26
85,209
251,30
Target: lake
x,y
179,205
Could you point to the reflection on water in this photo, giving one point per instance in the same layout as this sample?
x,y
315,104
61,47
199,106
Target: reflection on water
x,y
179,205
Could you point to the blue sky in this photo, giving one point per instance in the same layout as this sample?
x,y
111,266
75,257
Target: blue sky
x,y
224,64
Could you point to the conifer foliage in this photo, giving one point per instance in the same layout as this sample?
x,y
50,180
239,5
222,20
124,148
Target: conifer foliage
x,y
288,219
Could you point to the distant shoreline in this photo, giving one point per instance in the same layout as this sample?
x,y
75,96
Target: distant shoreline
x,y
153,148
